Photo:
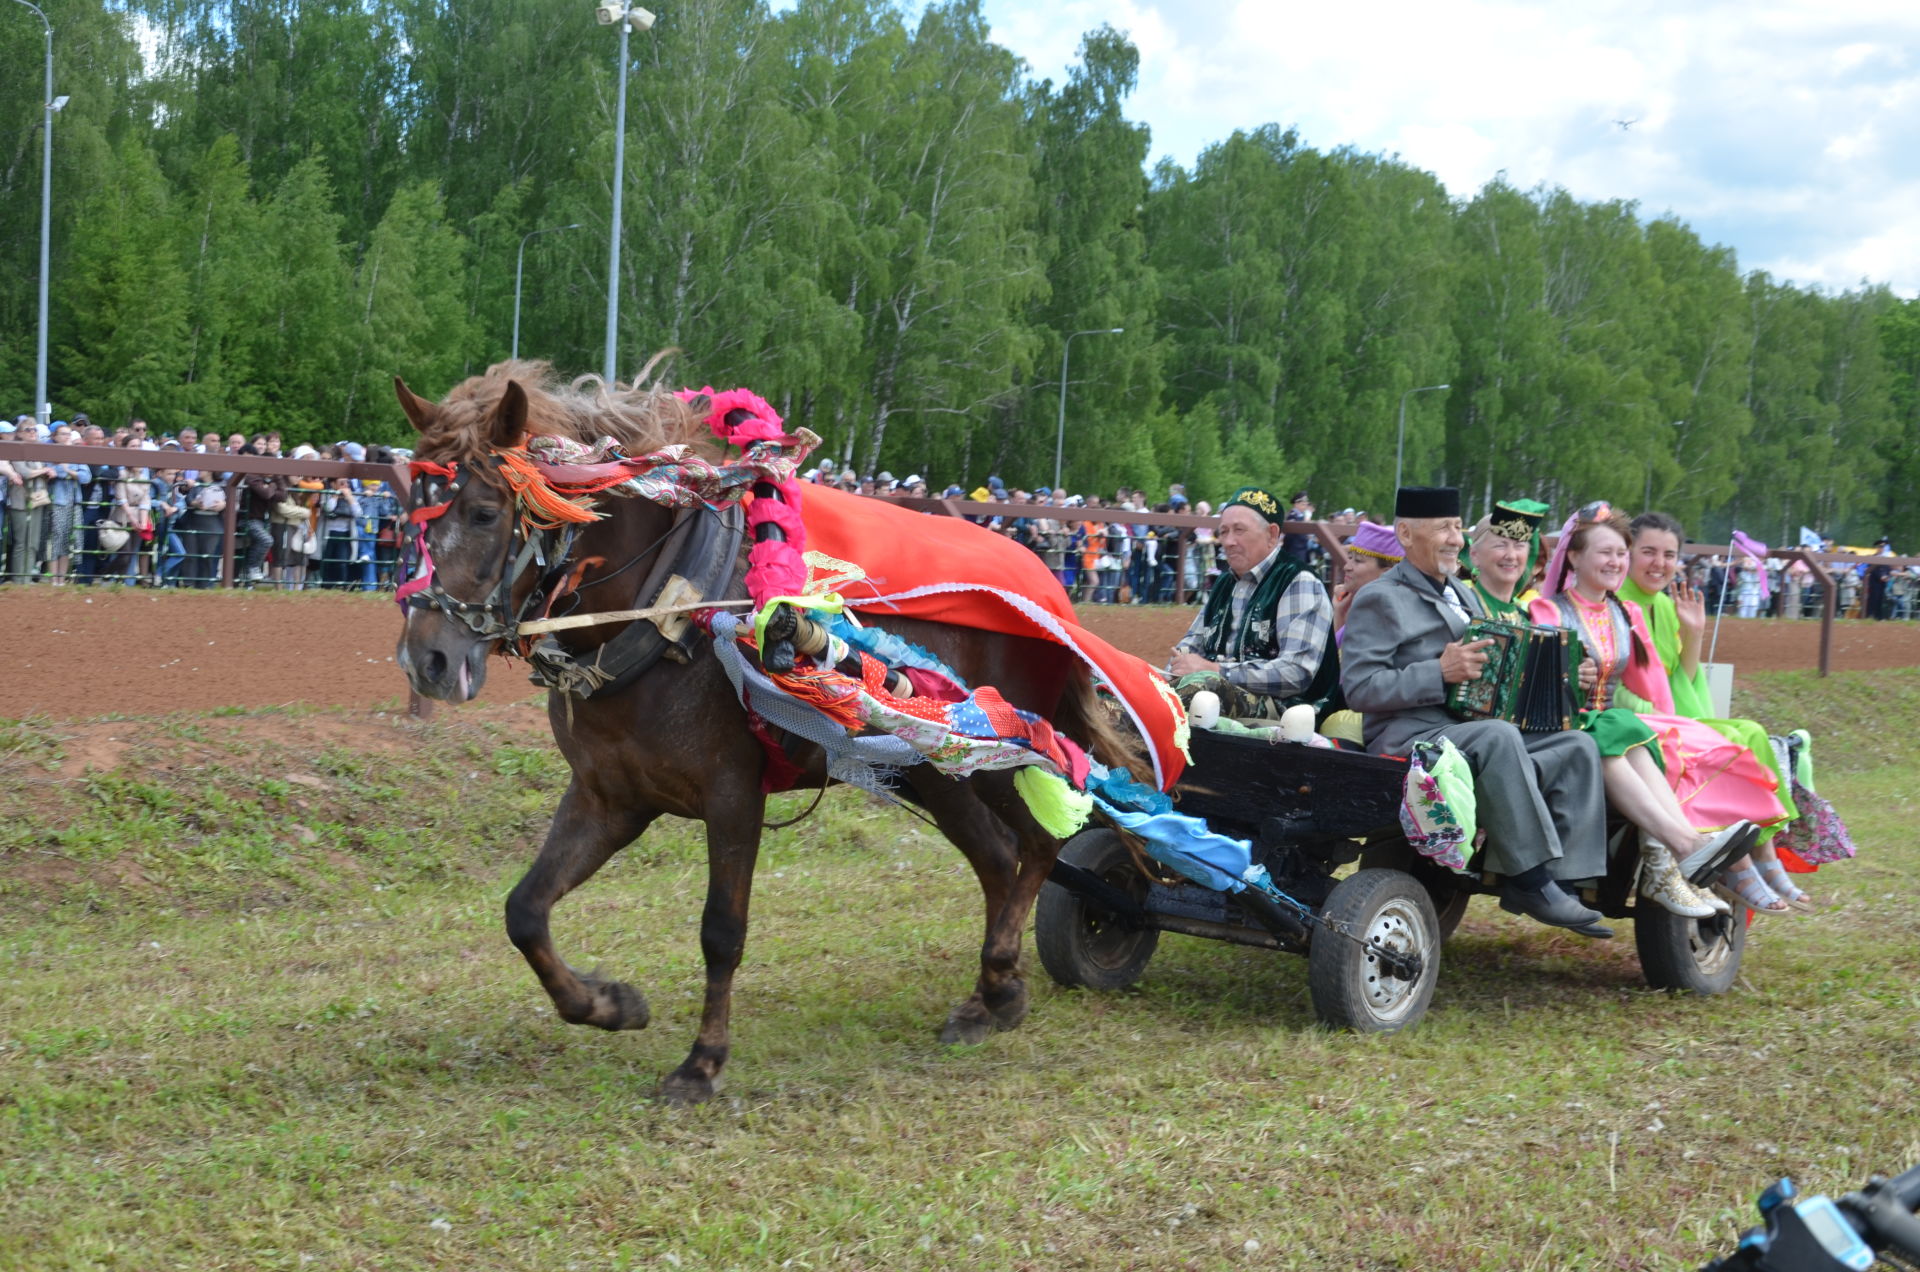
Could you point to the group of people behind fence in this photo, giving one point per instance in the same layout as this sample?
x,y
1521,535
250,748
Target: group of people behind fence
x,y
144,511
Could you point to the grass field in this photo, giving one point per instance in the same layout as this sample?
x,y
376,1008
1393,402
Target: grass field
x,y
257,1011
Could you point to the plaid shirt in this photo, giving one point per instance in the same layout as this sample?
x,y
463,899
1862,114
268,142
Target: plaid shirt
x,y
1302,622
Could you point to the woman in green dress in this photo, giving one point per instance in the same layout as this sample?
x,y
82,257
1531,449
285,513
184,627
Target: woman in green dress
x,y
1676,617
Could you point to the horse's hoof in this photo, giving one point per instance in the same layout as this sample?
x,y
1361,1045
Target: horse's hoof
x,y
1009,1006
685,1089
616,1005
968,1025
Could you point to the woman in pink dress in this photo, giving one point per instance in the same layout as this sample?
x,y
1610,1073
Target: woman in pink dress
x,y
1718,782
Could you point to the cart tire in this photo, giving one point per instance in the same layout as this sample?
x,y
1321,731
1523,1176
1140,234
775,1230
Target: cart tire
x,y
1350,987
1449,899
1700,956
1079,943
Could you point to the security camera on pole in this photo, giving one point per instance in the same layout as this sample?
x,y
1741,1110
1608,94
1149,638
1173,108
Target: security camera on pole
x,y
628,19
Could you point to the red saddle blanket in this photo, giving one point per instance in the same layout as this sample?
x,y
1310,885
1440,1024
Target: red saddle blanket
x,y
946,570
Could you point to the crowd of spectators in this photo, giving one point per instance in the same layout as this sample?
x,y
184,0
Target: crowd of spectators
x,y
149,510
1099,562
1749,588
1104,563
156,518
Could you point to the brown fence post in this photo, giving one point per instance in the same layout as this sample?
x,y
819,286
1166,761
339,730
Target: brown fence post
x,y
1828,602
401,479
1336,551
229,520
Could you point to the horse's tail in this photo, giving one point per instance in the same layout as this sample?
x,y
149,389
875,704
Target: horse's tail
x,y
1088,721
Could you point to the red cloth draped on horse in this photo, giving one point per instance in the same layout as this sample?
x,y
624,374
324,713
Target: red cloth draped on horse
x,y
946,570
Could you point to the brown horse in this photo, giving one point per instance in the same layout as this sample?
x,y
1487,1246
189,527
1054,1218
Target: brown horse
x,y
675,739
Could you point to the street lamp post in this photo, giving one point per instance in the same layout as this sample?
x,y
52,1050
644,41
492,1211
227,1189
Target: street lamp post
x,y
1060,438
630,20
1400,447
42,409
519,268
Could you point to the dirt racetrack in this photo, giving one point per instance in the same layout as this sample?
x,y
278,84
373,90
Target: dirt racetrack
x,y
73,653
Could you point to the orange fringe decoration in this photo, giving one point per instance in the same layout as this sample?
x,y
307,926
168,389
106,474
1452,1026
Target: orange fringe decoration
x,y
831,693
540,504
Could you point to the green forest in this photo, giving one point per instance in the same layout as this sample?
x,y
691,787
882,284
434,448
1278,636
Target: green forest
x,y
879,219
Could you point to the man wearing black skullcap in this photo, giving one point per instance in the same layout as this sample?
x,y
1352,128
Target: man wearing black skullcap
x,y
1260,641
1539,796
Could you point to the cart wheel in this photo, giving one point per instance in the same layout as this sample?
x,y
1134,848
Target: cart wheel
x,y
1079,942
1700,956
1449,899
1350,986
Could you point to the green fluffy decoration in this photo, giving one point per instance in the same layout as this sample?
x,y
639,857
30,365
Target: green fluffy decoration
x,y
1059,809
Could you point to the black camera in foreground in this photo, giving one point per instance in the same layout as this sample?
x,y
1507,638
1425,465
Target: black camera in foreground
x,y
1819,1234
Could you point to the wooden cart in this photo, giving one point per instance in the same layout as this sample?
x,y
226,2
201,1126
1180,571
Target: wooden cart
x,y
1373,937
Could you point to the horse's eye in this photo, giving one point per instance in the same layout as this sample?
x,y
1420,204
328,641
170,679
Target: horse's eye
x,y
484,516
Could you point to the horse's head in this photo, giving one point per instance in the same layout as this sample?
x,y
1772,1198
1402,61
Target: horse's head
x,y
472,579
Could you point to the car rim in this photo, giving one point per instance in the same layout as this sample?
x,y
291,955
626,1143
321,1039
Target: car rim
x,y
1709,943
1399,927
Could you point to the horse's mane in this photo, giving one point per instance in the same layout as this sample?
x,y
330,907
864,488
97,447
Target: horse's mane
x,y
641,416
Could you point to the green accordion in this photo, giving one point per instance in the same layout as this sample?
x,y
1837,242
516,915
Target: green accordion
x,y
1526,681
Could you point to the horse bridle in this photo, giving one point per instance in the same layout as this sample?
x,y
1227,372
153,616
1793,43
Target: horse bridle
x,y
435,487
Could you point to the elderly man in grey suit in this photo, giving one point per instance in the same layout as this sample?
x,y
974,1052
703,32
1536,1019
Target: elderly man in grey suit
x,y
1540,795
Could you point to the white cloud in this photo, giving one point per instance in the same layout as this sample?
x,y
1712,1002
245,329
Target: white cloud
x,y
1783,128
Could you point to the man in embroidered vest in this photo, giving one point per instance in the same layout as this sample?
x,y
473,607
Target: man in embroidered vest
x,y
1261,640
1540,795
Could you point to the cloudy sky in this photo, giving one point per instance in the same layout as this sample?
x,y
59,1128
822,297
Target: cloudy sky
x,y
1787,129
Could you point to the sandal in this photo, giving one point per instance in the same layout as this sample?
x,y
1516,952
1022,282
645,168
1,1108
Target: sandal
x,y
1783,886
1747,884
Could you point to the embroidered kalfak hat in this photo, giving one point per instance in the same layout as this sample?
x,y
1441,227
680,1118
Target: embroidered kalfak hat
x,y
1257,500
1517,519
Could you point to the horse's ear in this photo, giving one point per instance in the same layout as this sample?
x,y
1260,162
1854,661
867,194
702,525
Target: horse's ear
x,y
419,411
509,425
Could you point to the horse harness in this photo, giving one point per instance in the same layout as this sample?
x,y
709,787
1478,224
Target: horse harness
x,y
693,560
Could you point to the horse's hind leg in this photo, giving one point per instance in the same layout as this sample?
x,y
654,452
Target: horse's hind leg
x,y
1011,855
733,846
1002,988
585,832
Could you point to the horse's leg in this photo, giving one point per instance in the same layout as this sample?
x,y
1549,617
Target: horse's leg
x,y
586,831
733,846
1000,860
1003,989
